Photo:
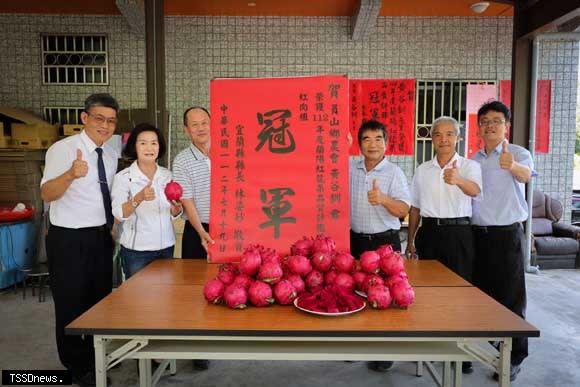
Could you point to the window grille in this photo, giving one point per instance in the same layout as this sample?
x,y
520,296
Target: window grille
x,y
75,59
63,115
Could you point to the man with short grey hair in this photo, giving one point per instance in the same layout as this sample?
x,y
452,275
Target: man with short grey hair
x,y
442,191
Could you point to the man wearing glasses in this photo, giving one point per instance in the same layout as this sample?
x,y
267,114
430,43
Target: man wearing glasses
x,y
498,216
78,174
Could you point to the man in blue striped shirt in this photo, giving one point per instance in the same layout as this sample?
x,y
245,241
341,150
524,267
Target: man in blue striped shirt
x,y
379,196
192,169
497,219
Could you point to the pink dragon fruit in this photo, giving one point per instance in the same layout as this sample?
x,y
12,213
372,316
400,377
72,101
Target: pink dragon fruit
x,y
269,255
244,280
329,277
284,292
299,264
344,262
323,244
236,297
270,272
250,262
314,279
370,262
402,276
384,250
227,277
231,267
344,281
372,280
392,264
379,297
359,277
297,282
403,294
302,247
260,294
321,262
213,291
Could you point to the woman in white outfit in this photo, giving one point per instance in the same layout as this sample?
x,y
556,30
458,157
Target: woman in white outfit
x,y
139,202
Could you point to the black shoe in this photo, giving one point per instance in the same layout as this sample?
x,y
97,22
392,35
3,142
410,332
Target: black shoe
x,y
379,366
467,367
514,371
200,365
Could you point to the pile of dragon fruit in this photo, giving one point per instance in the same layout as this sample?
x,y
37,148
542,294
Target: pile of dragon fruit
x,y
316,269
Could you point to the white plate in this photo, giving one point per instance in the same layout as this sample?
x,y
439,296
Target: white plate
x,y
328,314
361,293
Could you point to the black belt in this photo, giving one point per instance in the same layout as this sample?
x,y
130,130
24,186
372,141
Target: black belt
x,y
370,237
464,221
95,228
497,228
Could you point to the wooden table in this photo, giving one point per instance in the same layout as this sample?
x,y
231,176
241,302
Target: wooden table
x,y
161,313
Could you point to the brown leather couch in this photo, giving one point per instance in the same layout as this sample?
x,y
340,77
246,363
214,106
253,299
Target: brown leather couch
x,y
555,245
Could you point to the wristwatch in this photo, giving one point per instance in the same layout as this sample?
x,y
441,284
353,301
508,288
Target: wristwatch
x,y
135,203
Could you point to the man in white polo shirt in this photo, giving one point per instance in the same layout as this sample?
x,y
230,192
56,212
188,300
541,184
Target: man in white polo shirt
x,y
78,173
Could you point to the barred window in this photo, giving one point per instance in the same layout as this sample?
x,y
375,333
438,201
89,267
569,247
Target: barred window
x,y
75,59
63,115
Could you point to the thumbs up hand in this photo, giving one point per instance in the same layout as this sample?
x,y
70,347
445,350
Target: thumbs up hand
x,y
506,158
79,167
451,175
375,196
148,192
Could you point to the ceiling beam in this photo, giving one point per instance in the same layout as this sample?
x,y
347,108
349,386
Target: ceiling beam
x,y
365,19
134,12
536,16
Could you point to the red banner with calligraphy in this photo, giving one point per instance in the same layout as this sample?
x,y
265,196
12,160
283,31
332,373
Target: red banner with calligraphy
x,y
390,101
279,163
543,110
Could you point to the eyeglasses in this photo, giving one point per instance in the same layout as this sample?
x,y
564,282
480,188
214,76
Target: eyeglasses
x,y
99,119
494,122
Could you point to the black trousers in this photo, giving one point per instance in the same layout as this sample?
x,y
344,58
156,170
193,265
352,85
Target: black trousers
x,y
451,245
499,272
81,274
191,247
359,245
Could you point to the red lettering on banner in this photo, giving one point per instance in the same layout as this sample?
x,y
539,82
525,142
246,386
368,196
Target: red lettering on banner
x,y
390,101
279,163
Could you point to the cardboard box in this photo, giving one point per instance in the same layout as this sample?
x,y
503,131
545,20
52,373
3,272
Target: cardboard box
x,y
35,143
27,126
71,129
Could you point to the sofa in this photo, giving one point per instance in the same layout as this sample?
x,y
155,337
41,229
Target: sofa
x,y
555,245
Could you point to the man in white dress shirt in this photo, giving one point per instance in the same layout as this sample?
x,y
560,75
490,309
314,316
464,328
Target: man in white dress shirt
x,y
442,192
78,173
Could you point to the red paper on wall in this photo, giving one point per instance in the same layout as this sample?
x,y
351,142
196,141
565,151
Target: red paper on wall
x,y
543,110
279,163
475,142
390,101
476,95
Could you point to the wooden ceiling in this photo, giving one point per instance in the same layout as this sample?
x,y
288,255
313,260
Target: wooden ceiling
x,y
263,7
